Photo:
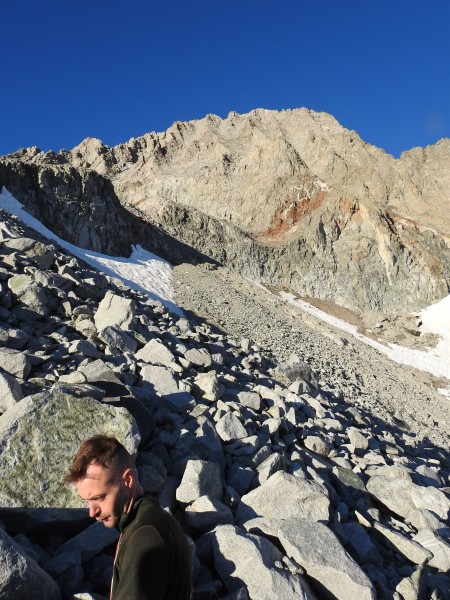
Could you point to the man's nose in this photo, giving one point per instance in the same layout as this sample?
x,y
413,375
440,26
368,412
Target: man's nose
x,y
94,509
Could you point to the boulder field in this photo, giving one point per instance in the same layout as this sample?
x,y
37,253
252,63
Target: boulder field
x,y
284,487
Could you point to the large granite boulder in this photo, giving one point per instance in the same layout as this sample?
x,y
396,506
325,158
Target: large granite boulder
x,y
405,498
284,496
38,439
200,478
243,558
315,547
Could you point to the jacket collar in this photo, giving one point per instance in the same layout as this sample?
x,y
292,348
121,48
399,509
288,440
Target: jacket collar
x,y
128,517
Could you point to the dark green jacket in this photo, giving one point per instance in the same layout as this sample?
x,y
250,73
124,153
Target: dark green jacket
x,y
153,560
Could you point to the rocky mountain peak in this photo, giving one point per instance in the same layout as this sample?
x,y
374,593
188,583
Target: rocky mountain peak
x,y
291,198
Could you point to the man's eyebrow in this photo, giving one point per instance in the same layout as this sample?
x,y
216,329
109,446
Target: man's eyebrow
x,y
95,497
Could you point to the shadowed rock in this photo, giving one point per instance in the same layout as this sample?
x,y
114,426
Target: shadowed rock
x,y
316,548
241,558
21,577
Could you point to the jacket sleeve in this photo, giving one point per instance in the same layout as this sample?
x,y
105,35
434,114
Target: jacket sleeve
x,y
143,568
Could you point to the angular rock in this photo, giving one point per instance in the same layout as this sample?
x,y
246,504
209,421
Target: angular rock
x,y
315,547
161,378
208,387
85,348
62,562
18,284
10,392
285,496
359,541
180,401
229,428
424,475
205,513
244,447
296,369
40,253
152,459
114,337
268,467
410,587
209,441
200,478
348,484
115,311
21,577
98,371
156,353
36,300
13,338
407,499
318,444
90,542
15,363
240,478
243,558
300,386
199,357
251,400
151,479
440,548
85,327
409,548
357,439
36,552
271,426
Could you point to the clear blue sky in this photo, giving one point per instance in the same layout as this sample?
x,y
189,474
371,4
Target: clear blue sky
x,y
117,69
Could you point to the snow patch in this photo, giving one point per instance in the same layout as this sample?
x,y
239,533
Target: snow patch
x,y
435,319
142,271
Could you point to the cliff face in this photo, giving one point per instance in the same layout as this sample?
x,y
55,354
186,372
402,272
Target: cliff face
x,y
292,198
82,207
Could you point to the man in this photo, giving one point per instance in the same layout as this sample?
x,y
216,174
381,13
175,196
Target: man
x,y
152,558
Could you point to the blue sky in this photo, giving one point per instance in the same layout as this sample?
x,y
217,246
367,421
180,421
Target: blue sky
x,y
114,70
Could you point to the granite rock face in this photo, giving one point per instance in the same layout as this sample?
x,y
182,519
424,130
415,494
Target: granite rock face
x,y
40,434
290,198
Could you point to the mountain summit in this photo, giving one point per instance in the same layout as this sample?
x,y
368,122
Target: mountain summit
x,y
290,198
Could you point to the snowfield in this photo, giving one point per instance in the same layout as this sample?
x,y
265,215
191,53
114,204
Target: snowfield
x,y
435,319
142,271
151,274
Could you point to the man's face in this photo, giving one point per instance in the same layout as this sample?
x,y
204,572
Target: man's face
x,y
107,496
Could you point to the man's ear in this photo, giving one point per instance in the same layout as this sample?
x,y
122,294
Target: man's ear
x,y
129,477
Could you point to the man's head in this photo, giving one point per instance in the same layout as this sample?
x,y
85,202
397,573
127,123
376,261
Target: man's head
x,y
105,476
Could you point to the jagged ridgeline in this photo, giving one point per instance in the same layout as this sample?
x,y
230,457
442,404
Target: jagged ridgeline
x,y
290,198
288,483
